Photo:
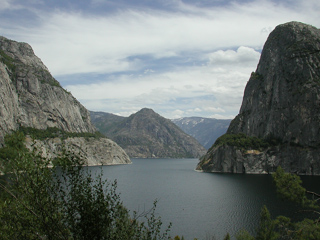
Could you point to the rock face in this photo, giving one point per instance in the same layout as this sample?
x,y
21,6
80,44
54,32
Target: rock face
x,y
205,130
146,134
31,97
281,104
101,151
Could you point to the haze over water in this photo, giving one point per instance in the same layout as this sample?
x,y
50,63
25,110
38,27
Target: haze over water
x,y
199,205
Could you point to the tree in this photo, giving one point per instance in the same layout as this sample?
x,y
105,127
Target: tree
x,y
244,235
63,201
266,227
227,237
290,188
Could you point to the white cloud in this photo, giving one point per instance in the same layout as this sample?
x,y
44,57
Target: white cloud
x,y
243,55
73,42
213,109
177,114
148,71
190,58
5,4
219,116
206,89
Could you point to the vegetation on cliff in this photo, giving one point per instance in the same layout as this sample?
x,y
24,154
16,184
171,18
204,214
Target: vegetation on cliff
x,y
53,132
241,141
280,107
32,97
8,61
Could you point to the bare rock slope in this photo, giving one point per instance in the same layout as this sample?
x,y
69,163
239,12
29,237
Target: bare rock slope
x,y
280,113
31,97
146,134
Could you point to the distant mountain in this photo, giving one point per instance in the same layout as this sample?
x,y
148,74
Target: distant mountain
x,y
146,134
205,130
105,121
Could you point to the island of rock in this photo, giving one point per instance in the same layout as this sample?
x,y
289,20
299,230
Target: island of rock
x,y
31,98
279,120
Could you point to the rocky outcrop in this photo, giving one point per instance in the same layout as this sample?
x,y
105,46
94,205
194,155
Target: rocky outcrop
x,y
146,134
281,105
230,159
31,97
101,151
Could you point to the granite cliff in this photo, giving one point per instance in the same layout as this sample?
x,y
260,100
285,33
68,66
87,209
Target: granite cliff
x,y
31,97
279,120
146,134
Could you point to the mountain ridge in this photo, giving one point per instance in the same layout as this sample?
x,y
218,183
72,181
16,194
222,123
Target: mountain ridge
x,y
205,130
146,134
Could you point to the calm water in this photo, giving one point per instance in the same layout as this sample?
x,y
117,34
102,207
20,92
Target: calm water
x,y
199,205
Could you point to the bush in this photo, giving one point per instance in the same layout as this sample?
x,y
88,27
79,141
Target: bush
x,y
7,60
241,141
63,202
52,132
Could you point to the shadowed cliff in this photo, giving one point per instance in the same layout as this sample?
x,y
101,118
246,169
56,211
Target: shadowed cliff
x,y
279,120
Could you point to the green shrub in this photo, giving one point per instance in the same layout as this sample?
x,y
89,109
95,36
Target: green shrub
x,y
53,132
63,202
256,76
7,60
241,141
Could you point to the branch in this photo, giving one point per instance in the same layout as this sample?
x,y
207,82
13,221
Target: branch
x,y
30,210
312,211
313,193
14,196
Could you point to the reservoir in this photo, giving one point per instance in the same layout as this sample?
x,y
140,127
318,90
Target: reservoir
x,y
199,205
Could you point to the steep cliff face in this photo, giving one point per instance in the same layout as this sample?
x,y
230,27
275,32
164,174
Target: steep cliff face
x,y
31,97
101,151
281,105
146,134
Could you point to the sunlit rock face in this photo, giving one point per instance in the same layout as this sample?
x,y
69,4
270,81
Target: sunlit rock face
x,y
31,97
281,104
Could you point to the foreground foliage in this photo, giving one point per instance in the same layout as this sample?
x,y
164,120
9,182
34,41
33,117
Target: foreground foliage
x,y
63,202
289,188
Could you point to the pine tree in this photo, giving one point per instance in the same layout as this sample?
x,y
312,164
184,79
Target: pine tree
x,y
63,202
266,227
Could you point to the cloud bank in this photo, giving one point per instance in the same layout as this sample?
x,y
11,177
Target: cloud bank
x,y
181,58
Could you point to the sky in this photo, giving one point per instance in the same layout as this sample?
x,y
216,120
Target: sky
x,y
181,58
